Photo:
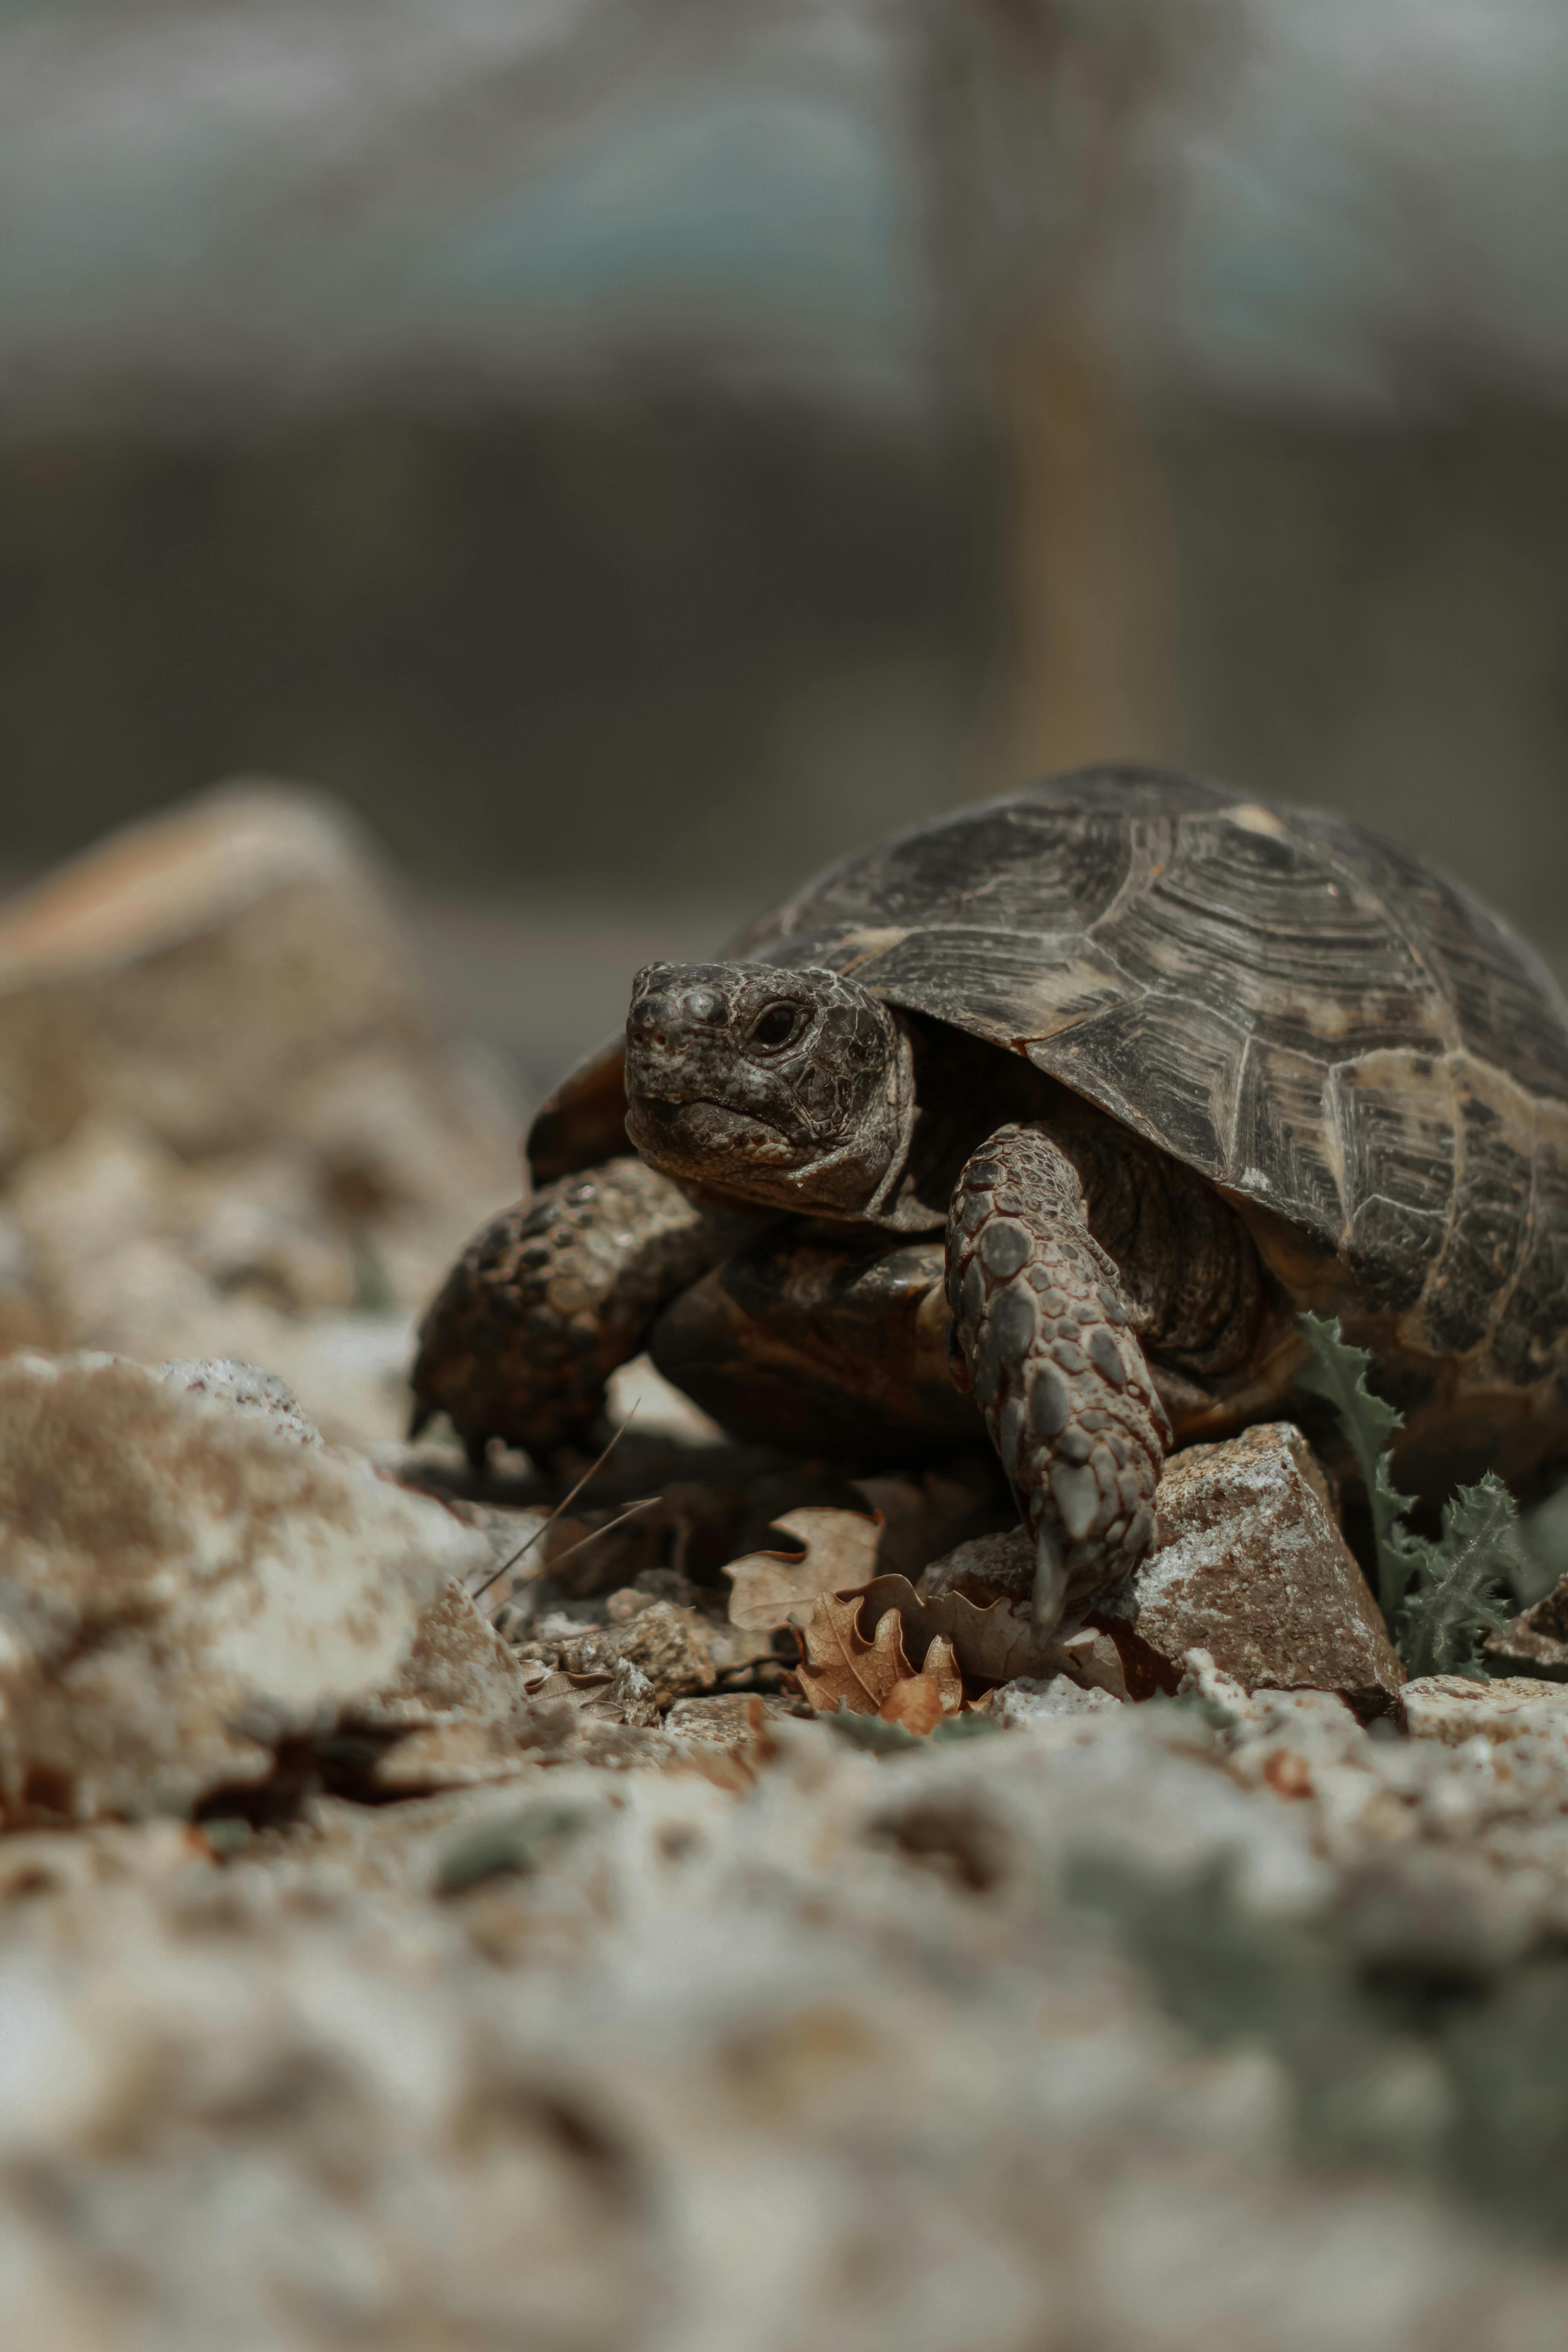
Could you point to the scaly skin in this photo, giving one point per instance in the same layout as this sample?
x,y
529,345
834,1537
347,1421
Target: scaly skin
x,y
551,1297
1040,1324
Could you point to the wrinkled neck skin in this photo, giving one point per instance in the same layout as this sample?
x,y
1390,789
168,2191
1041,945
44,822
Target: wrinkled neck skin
x,y
794,1089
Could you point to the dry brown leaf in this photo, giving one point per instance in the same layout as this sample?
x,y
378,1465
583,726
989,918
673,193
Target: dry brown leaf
x,y
839,1666
914,1705
842,1668
919,1702
951,1637
992,1643
770,1588
941,1668
589,1694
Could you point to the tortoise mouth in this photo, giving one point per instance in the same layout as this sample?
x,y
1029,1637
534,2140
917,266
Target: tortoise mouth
x,y
687,1128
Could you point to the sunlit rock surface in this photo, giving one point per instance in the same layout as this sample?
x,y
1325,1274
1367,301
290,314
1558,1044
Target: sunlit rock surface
x,y
184,1589
228,1122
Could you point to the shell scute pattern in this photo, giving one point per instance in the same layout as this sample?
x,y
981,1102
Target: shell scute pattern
x,y
1301,1011
1529,1338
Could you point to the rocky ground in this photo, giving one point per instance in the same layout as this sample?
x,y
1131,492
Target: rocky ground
x,y
449,1911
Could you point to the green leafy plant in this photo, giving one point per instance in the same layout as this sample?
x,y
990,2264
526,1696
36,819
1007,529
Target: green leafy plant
x,y
1338,1371
1457,1594
1438,1600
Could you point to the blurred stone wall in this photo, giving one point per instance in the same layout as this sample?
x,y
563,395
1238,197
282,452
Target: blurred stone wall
x,y
688,648
672,641
1374,621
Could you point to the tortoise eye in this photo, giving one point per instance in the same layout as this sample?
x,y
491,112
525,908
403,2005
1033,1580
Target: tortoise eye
x,y
775,1025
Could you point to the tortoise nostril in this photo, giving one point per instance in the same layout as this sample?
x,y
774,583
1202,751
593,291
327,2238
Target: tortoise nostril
x,y
662,1022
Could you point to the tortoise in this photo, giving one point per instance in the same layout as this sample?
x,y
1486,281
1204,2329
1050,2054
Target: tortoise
x,y
1050,1116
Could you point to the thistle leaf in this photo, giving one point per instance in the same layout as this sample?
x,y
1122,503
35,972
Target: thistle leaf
x,y
1460,1581
1338,1371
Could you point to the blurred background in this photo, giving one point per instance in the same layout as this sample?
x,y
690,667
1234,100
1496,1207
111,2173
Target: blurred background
x,y
633,453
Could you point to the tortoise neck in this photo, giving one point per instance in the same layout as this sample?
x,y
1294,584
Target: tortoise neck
x,y
894,1202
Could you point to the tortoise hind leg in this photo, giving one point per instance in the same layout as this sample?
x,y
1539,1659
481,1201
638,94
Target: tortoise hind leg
x,y
1041,1331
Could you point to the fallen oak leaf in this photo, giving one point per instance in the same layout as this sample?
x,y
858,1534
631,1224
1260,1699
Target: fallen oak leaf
x,y
914,1705
921,1702
839,1666
838,1555
941,1668
590,1695
994,1643
951,1635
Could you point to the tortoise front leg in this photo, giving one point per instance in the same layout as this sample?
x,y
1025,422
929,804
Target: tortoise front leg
x,y
1040,1324
551,1297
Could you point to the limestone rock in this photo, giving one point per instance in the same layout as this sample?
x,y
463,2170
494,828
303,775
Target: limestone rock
x,y
461,1706
1030,1699
201,973
724,1722
985,1569
831,2047
226,1116
1089,1657
181,1589
1535,1643
669,1644
247,1389
1453,1708
458,1665
1250,1567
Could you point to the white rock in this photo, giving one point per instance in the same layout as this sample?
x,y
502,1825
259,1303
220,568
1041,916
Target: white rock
x,y
247,1389
202,972
724,1722
816,2051
1453,1708
227,1114
984,1568
460,1705
1028,1700
145,1257
179,1587
1250,1567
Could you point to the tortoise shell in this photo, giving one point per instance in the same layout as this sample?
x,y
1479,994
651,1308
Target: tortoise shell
x,y
1367,1063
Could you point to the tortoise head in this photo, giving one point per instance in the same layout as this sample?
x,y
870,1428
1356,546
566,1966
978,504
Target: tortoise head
x,y
791,1088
